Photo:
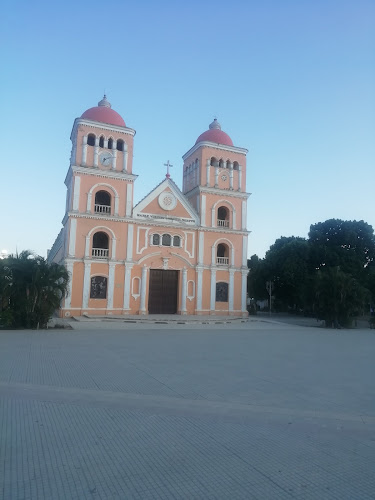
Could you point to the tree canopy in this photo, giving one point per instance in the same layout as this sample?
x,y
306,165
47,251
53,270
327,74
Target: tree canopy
x,y
331,274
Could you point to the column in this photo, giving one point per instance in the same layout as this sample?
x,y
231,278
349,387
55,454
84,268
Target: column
x,y
127,283
129,200
129,246
243,215
89,197
111,285
96,152
77,187
201,247
114,159
244,251
113,252
208,173
116,205
106,143
203,210
72,237
183,291
239,178
213,291
125,159
199,288
231,289
142,309
244,290
86,285
216,175
84,150
87,246
69,268
231,176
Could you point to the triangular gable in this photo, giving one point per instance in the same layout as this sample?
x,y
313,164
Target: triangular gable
x,y
166,203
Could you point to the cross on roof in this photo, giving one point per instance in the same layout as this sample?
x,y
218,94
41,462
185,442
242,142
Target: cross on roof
x,y
168,165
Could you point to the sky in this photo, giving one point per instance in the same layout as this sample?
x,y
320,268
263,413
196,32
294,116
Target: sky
x,y
293,81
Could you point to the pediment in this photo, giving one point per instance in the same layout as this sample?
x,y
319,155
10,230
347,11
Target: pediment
x,y
166,204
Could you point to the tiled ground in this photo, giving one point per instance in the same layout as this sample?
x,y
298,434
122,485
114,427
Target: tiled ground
x,y
255,411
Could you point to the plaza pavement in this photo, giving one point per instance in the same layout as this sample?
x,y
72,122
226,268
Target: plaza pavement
x,y
257,410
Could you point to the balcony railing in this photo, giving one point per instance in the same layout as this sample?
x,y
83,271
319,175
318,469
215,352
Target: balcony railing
x,y
102,209
222,223
100,253
222,261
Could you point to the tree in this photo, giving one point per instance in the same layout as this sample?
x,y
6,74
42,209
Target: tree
x,y
348,244
339,297
31,290
287,264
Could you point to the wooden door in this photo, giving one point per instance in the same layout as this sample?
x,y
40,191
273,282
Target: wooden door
x,y
163,288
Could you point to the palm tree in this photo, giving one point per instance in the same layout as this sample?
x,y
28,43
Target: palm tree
x,y
31,289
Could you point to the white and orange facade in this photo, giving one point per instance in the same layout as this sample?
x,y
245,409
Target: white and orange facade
x,y
175,252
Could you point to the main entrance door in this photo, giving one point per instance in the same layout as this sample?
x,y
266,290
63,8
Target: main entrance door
x,y
162,297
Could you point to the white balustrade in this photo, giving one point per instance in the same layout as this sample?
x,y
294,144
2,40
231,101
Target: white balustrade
x,y
222,223
102,209
100,253
222,261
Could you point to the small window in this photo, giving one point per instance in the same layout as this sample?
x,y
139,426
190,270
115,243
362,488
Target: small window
x,y
98,289
213,162
235,165
166,240
221,292
101,142
110,143
120,145
91,140
156,239
176,241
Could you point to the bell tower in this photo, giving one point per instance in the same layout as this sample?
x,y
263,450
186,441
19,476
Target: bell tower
x,y
214,181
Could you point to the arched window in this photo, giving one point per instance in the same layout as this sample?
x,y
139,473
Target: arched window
x,y
120,145
222,255
213,162
221,164
166,240
98,288
91,140
102,202
176,241
222,217
110,143
235,165
101,142
228,164
221,292
100,245
156,239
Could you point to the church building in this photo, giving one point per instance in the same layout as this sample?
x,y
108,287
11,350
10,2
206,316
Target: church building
x,y
175,252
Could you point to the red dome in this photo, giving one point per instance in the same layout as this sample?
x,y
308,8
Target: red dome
x,y
104,114
215,134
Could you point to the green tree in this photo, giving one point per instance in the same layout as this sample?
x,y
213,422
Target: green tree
x,y
348,244
287,265
31,290
339,297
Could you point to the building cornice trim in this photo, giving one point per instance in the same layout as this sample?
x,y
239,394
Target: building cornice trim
x,y
106,174
220,192
105,126
222,147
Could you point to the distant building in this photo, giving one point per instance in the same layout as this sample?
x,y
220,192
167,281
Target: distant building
x,y
172,253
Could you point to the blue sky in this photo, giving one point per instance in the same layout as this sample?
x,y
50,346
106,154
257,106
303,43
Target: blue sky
x,y
292,81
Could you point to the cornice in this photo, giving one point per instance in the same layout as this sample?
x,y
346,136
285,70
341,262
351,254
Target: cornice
x,y
214,145
104,126
108,174
220,192
143,222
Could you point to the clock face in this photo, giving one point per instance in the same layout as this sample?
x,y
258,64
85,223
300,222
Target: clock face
x,y
105,159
